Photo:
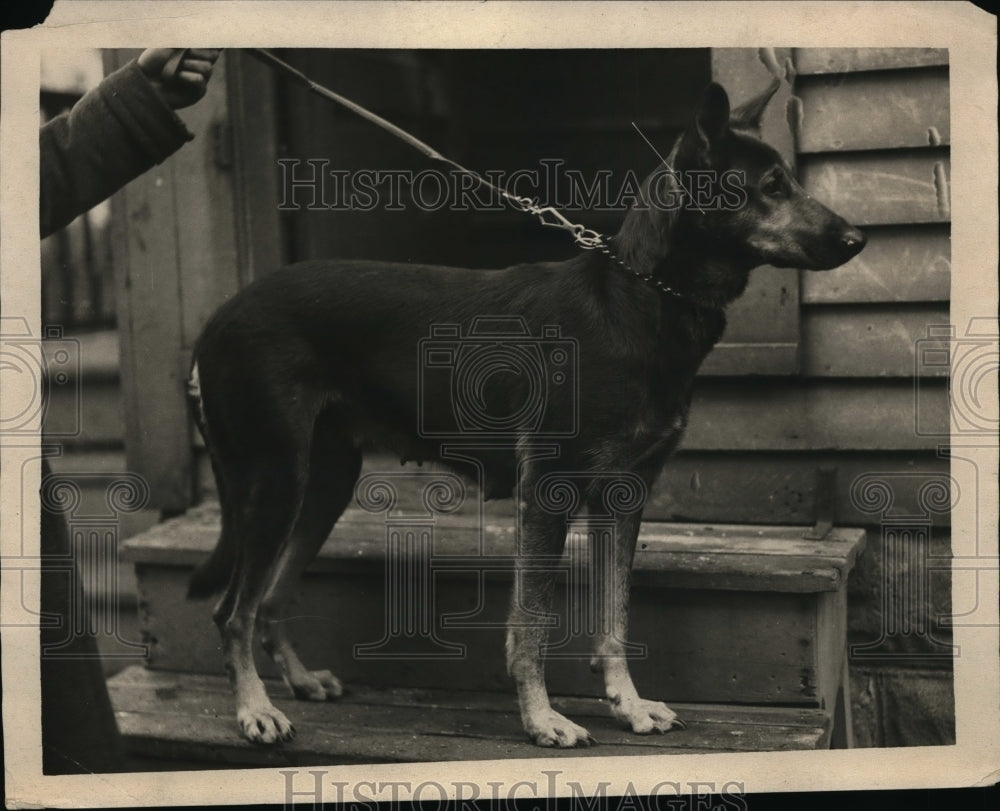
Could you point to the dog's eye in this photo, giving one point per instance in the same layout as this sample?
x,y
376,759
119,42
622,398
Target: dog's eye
x,y
773,185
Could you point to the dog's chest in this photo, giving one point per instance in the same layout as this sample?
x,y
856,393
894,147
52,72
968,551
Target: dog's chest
x,y
645,435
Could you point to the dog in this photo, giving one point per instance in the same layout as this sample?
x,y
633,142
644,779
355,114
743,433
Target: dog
x,y
306,368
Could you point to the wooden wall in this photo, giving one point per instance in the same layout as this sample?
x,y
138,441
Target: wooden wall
x,y
872,143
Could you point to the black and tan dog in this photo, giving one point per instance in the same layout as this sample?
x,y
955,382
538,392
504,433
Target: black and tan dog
x,y
306,368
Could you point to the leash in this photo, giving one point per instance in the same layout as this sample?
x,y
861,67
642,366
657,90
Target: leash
x,y
548,216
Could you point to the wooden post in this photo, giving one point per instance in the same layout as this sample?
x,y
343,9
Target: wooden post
x,y
253,118
175,258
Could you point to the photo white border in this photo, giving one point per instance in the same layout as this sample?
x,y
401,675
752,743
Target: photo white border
x,y
968,32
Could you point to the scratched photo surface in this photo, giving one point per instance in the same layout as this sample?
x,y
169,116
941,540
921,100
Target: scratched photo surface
x,y
753,613
404,414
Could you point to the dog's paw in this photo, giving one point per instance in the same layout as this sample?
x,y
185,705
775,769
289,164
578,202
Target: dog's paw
x,y
648,716
552,729
317,685
265,725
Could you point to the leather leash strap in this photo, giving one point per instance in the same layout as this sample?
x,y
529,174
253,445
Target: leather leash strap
x,y
547,215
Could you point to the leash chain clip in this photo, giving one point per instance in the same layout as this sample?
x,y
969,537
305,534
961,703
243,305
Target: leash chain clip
x,y
551,217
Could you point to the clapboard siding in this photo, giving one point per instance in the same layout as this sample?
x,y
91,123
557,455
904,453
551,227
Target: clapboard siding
x,y
874,110
882,188
816,415
762,328
773,291
874,135
772,414
851,60
899,264
781,488
722,487
757,358
873,142
869,341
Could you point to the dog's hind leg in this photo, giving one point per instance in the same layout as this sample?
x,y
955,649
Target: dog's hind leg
x,y
612,571
261,522
265,487
334,466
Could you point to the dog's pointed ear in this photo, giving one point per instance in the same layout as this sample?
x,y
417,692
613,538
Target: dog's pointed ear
x,y
748,115
702,139
713,115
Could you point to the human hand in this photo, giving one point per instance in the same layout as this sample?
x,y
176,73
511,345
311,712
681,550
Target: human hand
x,y
186,85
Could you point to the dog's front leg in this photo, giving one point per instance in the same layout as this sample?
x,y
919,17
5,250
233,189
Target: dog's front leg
x,y
542,538
612,561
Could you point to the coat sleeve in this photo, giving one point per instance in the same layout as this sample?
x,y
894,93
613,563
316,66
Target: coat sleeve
x,y
114,133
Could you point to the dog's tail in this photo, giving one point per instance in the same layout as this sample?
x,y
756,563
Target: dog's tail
x,y
213,574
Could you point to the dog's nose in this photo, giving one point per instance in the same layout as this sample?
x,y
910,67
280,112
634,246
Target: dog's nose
x,y
853,241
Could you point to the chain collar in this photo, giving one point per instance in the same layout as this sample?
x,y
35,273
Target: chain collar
x,y
605,248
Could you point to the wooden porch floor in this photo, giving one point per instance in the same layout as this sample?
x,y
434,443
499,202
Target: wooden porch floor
x,y
190,717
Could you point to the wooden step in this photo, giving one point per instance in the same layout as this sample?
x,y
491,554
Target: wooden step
x,y
751,615
672,555
191,717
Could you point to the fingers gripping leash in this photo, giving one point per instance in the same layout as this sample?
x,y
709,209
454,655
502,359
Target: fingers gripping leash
x,y
173,65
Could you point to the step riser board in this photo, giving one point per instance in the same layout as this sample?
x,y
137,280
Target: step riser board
x,y
700,645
